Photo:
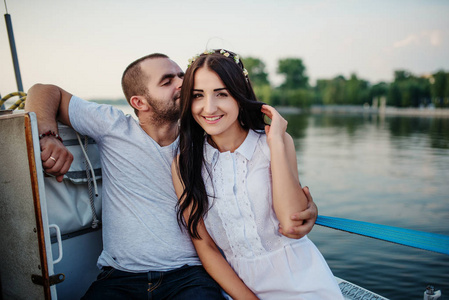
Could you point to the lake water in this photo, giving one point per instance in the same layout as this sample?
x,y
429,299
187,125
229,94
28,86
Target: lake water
x,y
392,171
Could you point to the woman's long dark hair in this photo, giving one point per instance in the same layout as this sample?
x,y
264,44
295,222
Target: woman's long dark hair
x,y
191,139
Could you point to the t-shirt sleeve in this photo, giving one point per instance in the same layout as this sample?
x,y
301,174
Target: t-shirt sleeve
x,y
92,119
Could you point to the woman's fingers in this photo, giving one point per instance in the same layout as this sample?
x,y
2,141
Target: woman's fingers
x,y
277,121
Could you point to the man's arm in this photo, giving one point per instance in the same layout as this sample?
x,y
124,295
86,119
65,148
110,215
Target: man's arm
x,y
308,217
51,104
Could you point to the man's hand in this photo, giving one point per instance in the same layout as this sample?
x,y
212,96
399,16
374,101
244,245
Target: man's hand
x,y
306,219
51,104
56,158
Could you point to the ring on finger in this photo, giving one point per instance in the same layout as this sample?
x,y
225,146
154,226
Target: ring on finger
x,y
53,159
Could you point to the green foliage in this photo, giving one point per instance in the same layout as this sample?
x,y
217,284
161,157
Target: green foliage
x,y
440,89
256,71
299,97
378,90
394,95
401,75
295,90
407,90
339,91
259,78
440,84
293,70
292,97
357,91
334,92
263,93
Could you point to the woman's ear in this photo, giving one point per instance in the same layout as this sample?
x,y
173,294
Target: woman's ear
x,y
139,103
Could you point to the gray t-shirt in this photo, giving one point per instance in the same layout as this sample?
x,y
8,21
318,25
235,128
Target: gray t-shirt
x,y
140,230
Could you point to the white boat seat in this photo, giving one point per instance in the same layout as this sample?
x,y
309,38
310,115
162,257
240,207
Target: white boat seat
x,y
69,202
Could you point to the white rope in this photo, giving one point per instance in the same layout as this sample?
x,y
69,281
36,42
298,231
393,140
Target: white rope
x,y
95,220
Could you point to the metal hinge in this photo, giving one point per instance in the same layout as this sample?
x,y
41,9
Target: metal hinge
x,y
54,279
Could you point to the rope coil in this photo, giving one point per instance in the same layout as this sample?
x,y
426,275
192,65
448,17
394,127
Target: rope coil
x,y
18,104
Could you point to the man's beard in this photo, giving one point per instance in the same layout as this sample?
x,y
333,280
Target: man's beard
x,y
163,111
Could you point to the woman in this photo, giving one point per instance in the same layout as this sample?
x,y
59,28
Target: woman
x,y
236,178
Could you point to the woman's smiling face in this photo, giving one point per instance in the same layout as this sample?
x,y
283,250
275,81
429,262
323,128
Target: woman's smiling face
x,y
213,107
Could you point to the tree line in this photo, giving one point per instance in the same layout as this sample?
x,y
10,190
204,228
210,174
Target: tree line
x,y
407,89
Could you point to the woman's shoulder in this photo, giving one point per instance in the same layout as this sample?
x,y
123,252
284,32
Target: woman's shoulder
x,y
262,143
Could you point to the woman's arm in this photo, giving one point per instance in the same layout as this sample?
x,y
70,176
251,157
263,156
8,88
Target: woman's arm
x,y
218,268
306,219
288,196
211,258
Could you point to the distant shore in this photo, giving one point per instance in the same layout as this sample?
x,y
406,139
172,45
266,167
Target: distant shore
x,y
344,109
352,109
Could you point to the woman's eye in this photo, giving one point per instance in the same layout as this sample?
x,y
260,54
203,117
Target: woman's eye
x,y
196,95
222,95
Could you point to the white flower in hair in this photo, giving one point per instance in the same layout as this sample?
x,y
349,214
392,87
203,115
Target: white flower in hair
x,y
222,51
191,60
245,72
236,59
226,54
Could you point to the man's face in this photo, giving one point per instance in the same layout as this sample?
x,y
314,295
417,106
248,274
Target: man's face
x,y
163,81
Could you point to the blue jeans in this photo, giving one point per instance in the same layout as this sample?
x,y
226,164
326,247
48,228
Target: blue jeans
x,y
187,282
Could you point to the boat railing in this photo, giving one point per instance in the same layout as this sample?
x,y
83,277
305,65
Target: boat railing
x,y
413,238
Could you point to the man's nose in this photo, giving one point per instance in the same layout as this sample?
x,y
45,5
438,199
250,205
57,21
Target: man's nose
x,y
178,82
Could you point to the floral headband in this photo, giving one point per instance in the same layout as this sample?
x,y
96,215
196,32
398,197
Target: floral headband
x,y
222,51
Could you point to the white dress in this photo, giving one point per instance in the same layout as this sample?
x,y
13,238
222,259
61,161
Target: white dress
x,y
243,224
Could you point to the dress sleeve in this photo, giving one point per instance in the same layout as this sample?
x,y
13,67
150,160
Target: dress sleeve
x,y
262,143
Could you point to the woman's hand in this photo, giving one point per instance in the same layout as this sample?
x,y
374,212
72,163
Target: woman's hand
x,y
278,125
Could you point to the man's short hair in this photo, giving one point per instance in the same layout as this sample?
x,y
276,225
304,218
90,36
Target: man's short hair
x,y
133,79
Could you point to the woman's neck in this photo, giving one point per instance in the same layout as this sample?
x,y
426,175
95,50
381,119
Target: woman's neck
x,y
228,142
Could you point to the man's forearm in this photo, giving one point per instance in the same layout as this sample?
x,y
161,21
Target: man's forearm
x,y
51,104
45,101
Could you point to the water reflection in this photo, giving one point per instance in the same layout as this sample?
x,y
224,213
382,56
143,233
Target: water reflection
x,y
435,129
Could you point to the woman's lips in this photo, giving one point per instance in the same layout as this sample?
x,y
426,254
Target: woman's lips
x,y
212,119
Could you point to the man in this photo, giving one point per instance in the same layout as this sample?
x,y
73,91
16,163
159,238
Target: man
x,y
145,253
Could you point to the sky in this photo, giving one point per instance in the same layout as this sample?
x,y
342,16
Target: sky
x,y
83,46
